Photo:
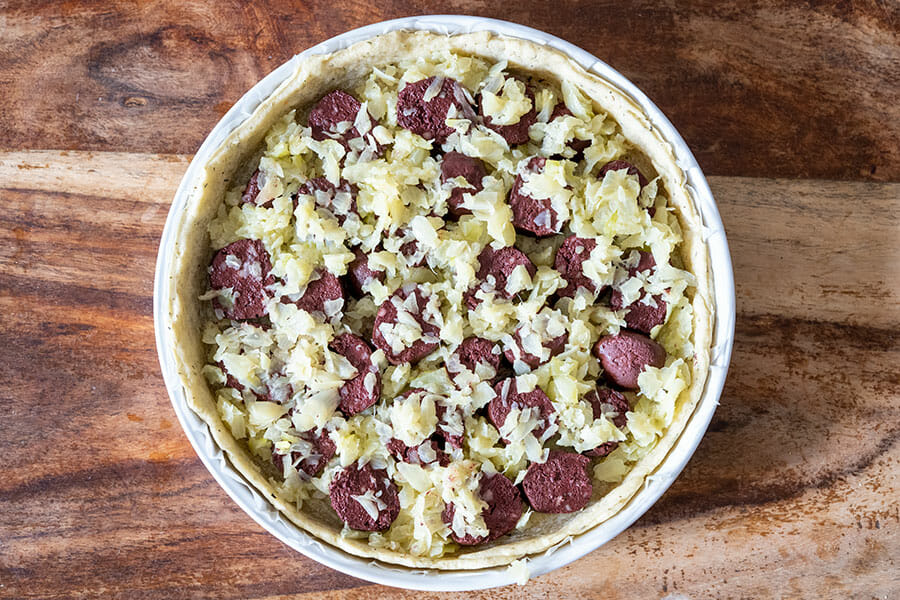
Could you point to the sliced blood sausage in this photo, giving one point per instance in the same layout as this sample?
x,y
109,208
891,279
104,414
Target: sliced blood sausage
x,y
555,346
427,118
529,214
506,398
503,510
413,454
377,491
323,449
625,355
338,200
494,269
560,485
252,191
618,165
455,164
242,266
611,404
569,260
387,316
414,256
575,144
476,354
333,117
277,389
640,316
230,381
356,394
448,428
360,274
327,288
515,133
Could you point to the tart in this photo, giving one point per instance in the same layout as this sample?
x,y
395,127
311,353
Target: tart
x,y
443,299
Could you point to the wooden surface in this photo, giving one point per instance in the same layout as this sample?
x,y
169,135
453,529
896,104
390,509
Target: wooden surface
x,y
792,493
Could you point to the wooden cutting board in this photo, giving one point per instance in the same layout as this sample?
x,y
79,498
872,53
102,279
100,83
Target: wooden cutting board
x,y
793,492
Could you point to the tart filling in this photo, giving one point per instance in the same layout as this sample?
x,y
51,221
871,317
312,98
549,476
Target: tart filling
x,y
448,305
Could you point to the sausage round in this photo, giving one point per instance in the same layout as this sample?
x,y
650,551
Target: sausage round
x,y
329,116
427,118
503,510
612,404
364,389
506,398
323,449
514,133
455,164
387,315
327,288
560,485
569,260
640,316
529,214
242,266
477,355
357,481
360,274
555,346
494,269
625,355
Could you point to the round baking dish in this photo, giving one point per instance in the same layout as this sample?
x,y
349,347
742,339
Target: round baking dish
x,y
252,501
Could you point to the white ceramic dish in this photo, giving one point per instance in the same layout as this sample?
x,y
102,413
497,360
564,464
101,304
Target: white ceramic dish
x,y
250,499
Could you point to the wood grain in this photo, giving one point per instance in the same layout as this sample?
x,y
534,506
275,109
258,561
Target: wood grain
x,y
769,88
792,493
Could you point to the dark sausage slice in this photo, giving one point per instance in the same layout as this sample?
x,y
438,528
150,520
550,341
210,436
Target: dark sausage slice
x,y
411,454
640,316
323,449
625,355
357,481
243,266
329,119
447,427
476,354
560,485
529,214
278,389
319,291
360,274
252,191
356,396
507,398
569,259
515,133
555,345
494,269
387,315
575,144
455,164
230,381
503,510
612,404
339,201
428,118
415,256
618,165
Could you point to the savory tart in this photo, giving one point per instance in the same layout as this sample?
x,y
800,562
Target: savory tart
x,y
443,300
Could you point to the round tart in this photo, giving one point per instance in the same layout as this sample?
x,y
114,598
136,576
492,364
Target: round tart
x,y
443,299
